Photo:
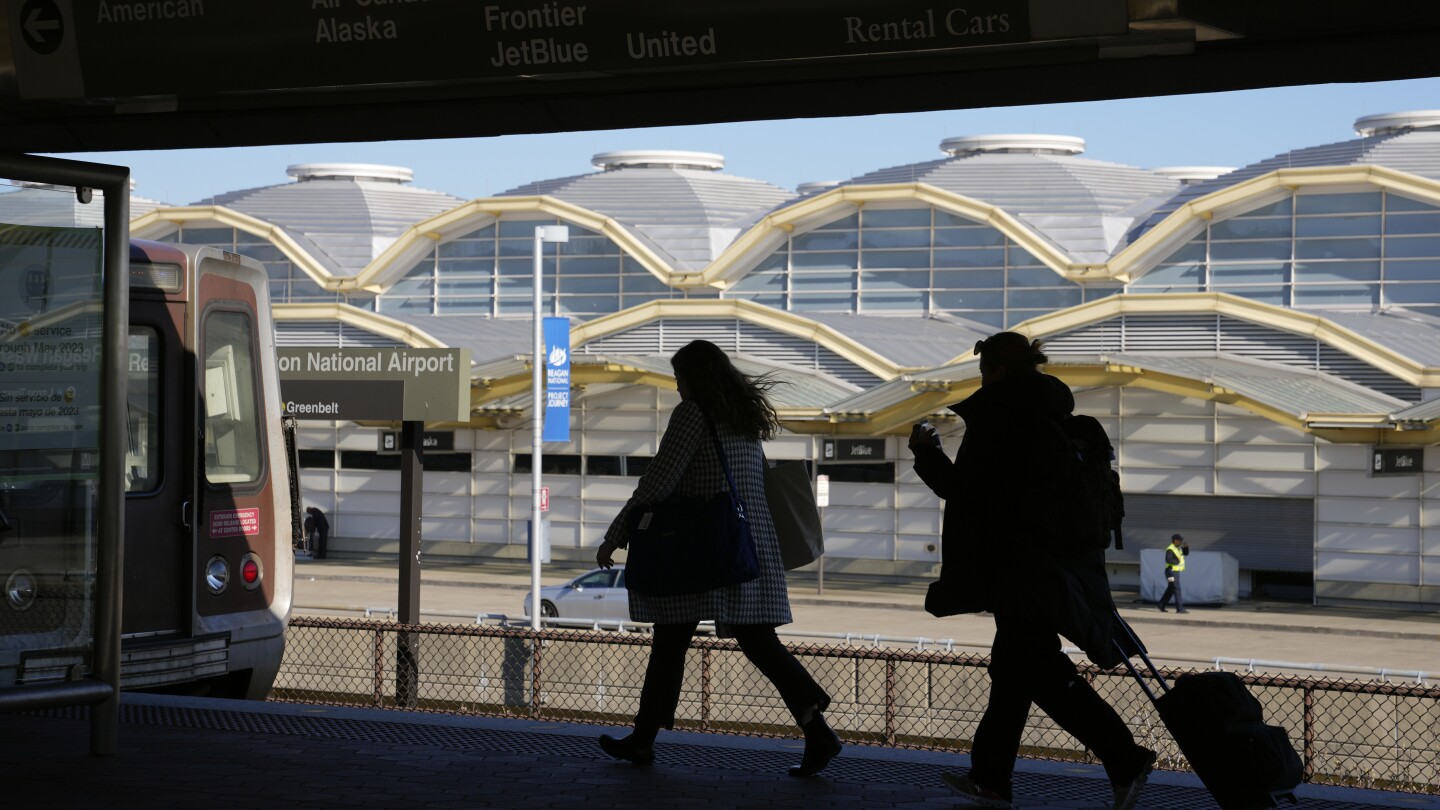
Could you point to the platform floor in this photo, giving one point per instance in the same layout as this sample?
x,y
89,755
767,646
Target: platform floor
x,y
205,753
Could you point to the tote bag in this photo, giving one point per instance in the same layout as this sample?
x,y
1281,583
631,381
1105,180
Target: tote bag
x,y
791,498
691,544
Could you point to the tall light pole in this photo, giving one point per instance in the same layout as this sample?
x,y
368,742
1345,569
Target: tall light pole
x,y
543,234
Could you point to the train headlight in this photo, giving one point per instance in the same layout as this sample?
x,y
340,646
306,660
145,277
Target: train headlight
x,y
250,571
217,574
20,590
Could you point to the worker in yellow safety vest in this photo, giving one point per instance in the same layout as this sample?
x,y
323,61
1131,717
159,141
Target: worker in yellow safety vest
x,y
1174,564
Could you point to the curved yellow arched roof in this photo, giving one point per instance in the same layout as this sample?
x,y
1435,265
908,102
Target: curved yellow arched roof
x,y
159,221
785,322
741,255
1177,228
374,322
1288,320
416,242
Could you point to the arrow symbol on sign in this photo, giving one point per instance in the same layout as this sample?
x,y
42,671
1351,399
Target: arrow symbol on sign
x,y
34,25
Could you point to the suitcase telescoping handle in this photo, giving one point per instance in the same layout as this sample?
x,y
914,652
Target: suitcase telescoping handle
x,y
1138,648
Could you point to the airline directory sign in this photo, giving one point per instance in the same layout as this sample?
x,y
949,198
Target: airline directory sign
x,y
50,337
123,48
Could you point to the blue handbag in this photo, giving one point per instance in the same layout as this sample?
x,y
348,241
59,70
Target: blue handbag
x,y
689,544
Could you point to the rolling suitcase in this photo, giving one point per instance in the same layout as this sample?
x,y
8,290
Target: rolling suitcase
x,y
1244,763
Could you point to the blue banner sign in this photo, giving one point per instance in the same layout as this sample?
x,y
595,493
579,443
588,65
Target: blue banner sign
x,y
557,380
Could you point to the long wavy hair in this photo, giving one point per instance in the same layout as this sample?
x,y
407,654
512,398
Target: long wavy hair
x,y
731,397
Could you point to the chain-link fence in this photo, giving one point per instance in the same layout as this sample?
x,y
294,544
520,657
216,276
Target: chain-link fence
x,y
1369,734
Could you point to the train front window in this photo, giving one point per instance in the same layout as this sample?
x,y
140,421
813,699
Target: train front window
x,y
233,452
142,411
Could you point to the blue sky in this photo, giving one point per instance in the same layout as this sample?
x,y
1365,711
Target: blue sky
x,y
1212,129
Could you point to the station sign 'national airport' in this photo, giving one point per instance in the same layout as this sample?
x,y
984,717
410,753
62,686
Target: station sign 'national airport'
x,y
414,385
128,48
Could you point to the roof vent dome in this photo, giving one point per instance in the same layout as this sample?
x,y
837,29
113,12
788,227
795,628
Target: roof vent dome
x,y
1023,144
816,186
1192,174
304,172
1390,123
658,159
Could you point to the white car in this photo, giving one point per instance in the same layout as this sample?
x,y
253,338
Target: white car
x,y
599,594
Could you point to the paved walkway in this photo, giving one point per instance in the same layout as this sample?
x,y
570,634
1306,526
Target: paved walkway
x,y
210,754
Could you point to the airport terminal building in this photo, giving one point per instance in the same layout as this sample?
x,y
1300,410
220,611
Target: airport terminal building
x,y
1262,343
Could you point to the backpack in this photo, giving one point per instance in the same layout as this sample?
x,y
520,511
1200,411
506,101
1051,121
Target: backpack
x,y
1089,504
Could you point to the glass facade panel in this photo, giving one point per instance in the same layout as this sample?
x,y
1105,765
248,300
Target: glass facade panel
x,y
1337,248
851,222
758,281
465,306
1428,270
1337,295
589,265
1251,228
1266,273
894,258
892,300
1035,277
896,238
822,302
895,280
515,228
1277,296
896,218
465,286
1249,251
825,240
469,267
1350,225
1410,224
970,299
968,237
1279,208
1044,299
826,261
1347,203
589,305
588,285
1412,293
1399,202
1336,271
219,237
589,246
520,247
809,282
469,247
973,257
1184,277
1412,247
969,279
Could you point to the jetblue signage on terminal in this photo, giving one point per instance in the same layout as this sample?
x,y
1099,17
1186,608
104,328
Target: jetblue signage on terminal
x,y
414,385
127,48
854,449
1397,460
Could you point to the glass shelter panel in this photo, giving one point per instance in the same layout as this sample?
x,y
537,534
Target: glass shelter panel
x,y
50,403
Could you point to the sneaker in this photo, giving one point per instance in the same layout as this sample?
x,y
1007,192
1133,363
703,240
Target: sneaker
x,y
979,796
1181,610
1128,793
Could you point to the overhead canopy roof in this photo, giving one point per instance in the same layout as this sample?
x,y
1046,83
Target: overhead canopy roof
x,y
92,76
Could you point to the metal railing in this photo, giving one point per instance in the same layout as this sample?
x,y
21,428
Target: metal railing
x,y
1361,733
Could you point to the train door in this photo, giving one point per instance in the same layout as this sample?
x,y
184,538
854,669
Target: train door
x,y
159,459
237,517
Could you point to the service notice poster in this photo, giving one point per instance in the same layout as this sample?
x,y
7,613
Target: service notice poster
x,y
50,337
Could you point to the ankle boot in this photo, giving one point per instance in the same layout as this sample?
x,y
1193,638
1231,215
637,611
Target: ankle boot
x,y
821,745
638,747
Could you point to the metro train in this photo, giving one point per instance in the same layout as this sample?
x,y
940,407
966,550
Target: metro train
x,y
211,502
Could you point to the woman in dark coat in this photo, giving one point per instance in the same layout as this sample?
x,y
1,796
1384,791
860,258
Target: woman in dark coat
x,y
712,390
998,521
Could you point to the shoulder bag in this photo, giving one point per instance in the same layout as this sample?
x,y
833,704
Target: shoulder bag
x,y
689,544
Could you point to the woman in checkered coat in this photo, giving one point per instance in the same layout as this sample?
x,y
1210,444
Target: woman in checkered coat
x,y
712,389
